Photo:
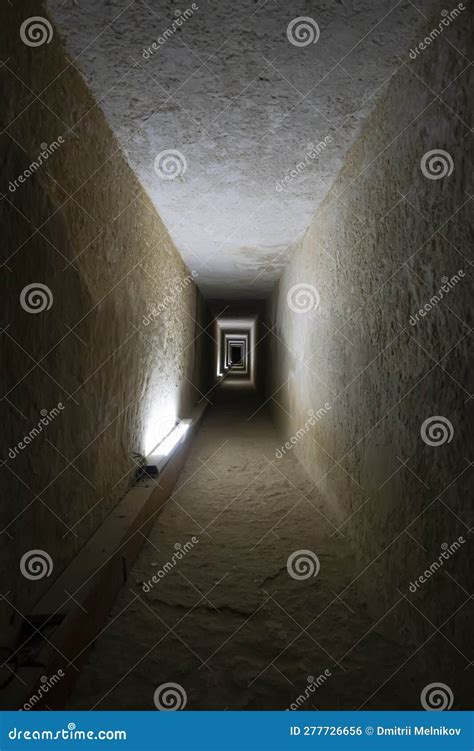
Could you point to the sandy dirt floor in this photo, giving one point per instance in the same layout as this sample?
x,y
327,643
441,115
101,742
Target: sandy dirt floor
x,y
227,622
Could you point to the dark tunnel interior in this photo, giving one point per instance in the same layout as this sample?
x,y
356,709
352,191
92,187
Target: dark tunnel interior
x,y
236,325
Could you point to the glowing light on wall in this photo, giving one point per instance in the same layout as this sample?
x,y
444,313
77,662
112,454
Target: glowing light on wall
x,y
172,439
158,427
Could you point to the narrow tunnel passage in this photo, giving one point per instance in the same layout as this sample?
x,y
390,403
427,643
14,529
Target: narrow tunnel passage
x,y
249,617
236,393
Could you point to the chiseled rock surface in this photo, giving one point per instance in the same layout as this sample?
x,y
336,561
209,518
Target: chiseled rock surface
x,y
83,226
385,240
243,105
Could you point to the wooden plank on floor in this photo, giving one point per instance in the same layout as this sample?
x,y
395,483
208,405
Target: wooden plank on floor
x,y
79,601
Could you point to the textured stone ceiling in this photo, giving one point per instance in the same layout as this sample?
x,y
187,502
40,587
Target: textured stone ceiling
x,y
242,106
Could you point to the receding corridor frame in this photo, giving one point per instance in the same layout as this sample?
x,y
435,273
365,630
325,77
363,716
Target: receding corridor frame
x,y
233,340
227,328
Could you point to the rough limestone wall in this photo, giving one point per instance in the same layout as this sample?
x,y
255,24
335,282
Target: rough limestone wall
x,y
116,346
377,250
